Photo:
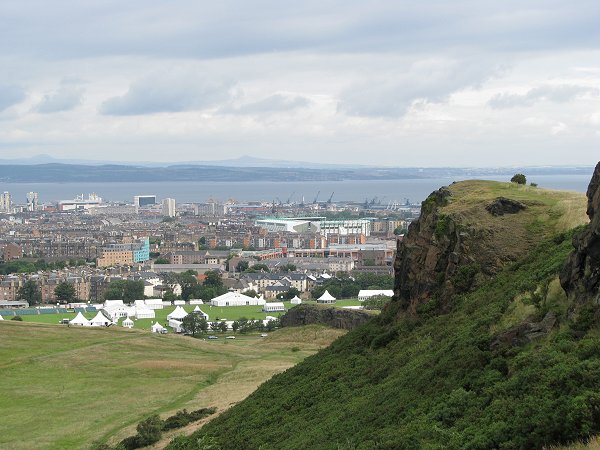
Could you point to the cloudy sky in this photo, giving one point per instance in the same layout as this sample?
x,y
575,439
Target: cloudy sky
x,y
391,83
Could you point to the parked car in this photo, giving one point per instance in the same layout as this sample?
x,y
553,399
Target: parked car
x,y
230,337
264,335
213,337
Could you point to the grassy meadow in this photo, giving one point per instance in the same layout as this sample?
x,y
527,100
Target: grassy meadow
x,y
69,387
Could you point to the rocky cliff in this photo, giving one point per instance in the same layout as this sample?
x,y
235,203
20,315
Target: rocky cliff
x,y
346,319
580,277
469,230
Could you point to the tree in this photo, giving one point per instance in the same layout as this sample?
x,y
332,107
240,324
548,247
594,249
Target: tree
x,y
214,326
64,292
126,290
250,293
192,324
291,293
30,292
242,266
289,267
161,260
519,178
213,279
235,326
376,302
223,326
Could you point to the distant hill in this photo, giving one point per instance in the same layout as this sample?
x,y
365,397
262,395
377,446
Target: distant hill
x,y
264,170
480,347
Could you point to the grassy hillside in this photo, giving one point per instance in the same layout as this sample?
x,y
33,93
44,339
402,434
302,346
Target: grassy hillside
x,y
465,378
68,387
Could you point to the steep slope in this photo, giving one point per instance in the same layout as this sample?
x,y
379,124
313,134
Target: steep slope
x,y
489,360
581,275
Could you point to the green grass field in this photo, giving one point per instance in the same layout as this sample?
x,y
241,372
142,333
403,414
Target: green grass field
x,y
69,387
214,313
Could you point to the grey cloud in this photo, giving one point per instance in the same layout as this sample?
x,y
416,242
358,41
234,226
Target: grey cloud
x,y
559,94
167,92
429,81
10,95
201,29
65,98
271,104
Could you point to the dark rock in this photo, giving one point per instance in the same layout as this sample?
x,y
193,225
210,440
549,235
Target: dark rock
x,y
346,319
503,205
524,333
580,277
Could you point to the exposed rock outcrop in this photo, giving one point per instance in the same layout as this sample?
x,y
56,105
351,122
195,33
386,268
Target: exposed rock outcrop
x,y
525,333
580,277
469,231
503,205
346,319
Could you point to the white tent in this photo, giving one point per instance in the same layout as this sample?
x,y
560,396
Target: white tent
x,y
177,314
158,328
144,313
100,320
326,298
127,323
154,303
296,300
236,299
364,294
80,320
176,325
1,318
202,314
196,301
179,302
273,307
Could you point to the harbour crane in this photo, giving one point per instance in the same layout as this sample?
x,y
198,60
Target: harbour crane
x,y
330,197
316,197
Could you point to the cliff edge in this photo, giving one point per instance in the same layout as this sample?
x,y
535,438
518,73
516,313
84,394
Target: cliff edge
x,y
580,277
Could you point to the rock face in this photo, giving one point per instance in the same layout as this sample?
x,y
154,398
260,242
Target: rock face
x,y
432,254
503,205
580,277
346,319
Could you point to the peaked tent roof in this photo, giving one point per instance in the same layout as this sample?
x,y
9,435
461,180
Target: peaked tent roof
x,y
178,313
1,318
157,327
100,318
326,296
296,300
79,320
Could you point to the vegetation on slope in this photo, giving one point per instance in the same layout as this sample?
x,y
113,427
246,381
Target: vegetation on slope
x,y
437,381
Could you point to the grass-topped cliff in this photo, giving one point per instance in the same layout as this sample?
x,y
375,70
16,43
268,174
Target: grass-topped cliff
x,y
478,349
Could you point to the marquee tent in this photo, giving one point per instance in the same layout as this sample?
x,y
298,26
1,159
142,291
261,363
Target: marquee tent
x,y
177,314
80,320
326,298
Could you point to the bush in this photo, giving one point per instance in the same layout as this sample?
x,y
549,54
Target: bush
x,y
519,178
149,430
17,318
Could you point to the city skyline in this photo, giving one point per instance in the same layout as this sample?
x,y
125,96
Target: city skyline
x,y
398,84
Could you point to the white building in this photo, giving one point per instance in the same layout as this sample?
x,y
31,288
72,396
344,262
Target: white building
x,y
169,208
32,201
